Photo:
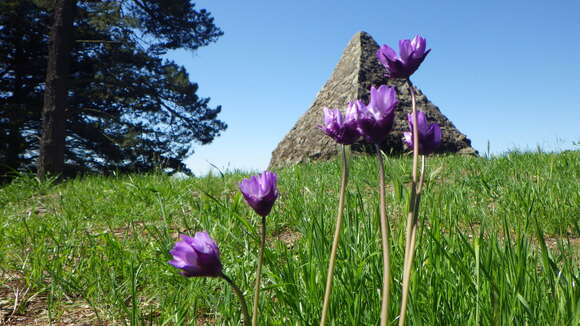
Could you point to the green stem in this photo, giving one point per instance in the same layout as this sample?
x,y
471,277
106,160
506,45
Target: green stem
x,y
240,297
415,135
259,273
411,239
415,131
411,216
385,241
337,231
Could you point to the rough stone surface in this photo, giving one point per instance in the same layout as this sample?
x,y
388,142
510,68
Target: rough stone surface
x,y
352,78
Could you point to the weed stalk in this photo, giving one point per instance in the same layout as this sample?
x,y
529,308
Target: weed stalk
x,y
414,201
240,297
256,302
384,241
336,239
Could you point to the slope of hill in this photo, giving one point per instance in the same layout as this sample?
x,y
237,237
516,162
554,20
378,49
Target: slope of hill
x,y
498,245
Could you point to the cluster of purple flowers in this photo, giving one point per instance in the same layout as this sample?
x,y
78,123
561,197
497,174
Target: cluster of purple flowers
x,y
374,121
371,122
200,255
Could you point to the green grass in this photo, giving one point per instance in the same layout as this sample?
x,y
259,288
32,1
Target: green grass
x,y
498,244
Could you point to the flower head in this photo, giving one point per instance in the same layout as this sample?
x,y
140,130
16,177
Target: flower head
x,y
429,134
342,129
260,192
412,53
376,119
197,256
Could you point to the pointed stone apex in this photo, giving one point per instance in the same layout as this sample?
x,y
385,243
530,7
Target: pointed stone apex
x,y
357,70
361,35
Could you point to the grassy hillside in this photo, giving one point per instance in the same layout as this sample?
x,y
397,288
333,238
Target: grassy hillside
x,y
498,245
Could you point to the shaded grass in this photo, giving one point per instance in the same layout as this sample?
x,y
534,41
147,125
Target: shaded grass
x,y
481,256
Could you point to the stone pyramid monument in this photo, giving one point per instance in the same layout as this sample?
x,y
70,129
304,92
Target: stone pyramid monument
x,y
352,78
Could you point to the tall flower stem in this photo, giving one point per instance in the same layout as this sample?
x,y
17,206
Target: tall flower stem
x,y
259,273
413,210
411,236
385,241
337,231
413,190
415,132
240,297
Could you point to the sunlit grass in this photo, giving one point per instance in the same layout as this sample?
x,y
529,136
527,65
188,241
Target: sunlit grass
x,y
498,244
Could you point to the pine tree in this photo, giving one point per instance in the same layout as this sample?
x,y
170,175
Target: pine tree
x,y
23,51
128,109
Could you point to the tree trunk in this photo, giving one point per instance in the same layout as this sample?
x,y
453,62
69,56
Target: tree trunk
x,y
52,142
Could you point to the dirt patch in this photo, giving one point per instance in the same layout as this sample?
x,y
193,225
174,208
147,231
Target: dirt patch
x,y
44,204
555,244
205,320
22,306
287,236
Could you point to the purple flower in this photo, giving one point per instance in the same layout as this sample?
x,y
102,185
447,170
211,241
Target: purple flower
x,y
197,256
342,129
429,134
376,119
260,192
412,53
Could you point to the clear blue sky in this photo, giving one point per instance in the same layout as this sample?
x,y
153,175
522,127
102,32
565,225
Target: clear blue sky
x,y
507,72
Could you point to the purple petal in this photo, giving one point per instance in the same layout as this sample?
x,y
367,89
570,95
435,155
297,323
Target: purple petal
x,y
419,44
436,135
246,186
429,134
186,239
353,111
327,116
183,255
203,243
383,100
422,124
385,53
405,50
376,120
408,139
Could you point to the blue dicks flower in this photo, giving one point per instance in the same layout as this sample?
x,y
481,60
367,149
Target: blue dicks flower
x,y
429,134
375,120
412,54
342,129
197,256
260,192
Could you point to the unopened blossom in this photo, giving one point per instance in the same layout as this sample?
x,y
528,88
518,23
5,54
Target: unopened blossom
x,y
375,120
260,192
343,129
197,256
411,55
429,134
